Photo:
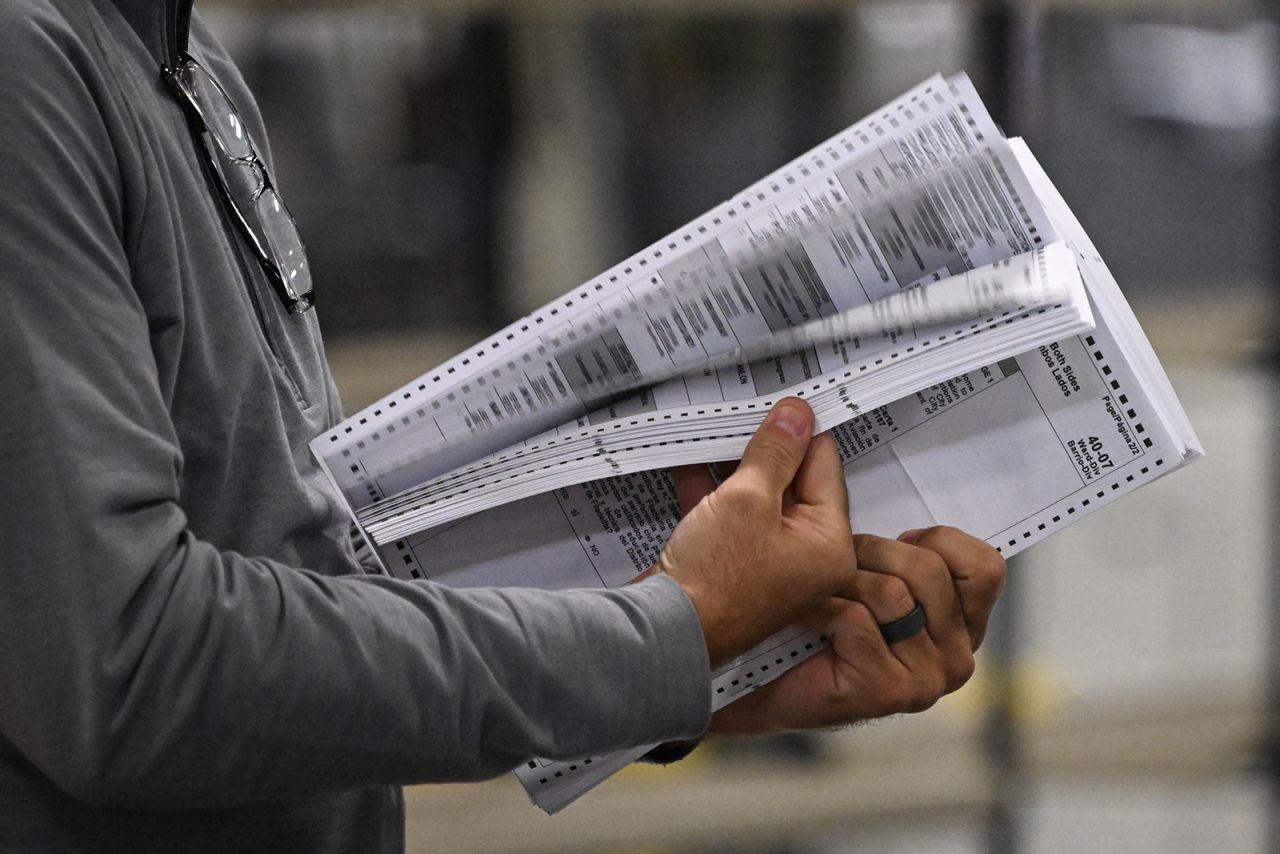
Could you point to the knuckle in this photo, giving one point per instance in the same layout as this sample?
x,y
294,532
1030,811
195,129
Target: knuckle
x,y
921,703
914,699
853,631
864,633
959,671
895,698
941,535
929,539
915,692
930,689
855,614
992,568
859,618
896,593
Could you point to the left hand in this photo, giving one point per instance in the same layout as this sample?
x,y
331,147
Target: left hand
x,y
955,577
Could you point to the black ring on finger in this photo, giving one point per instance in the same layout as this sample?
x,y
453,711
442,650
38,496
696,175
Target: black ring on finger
x,y
904,627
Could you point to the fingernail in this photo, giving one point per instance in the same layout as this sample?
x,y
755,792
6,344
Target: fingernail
x,y
911,537
790,418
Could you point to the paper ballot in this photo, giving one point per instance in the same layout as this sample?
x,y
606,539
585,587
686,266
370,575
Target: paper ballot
x,y
917,279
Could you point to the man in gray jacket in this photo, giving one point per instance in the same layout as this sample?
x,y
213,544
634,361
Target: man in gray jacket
x,y
191,658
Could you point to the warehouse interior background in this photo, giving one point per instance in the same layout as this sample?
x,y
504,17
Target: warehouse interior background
x,y
455,163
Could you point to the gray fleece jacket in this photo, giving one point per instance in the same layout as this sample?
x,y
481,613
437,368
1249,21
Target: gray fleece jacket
x,y
190,657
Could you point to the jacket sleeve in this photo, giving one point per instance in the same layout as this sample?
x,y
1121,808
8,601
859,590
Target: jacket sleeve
x,y
143,667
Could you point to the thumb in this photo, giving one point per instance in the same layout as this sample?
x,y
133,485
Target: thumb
x,y
820,480
775,452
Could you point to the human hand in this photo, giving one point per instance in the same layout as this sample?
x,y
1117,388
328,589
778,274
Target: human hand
x,y
956,578
771,542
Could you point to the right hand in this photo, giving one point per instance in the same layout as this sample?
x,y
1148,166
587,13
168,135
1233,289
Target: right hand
x,y
772,542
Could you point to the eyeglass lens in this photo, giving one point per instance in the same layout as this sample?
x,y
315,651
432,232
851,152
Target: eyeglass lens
x,y
220,115
284,242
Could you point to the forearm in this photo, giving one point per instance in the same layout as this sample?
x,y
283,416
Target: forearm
x,y
215,679
141,666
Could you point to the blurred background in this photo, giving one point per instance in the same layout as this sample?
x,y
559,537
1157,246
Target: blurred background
x,y
456,163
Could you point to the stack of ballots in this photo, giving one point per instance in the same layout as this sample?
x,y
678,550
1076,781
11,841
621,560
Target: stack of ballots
x,y
917,279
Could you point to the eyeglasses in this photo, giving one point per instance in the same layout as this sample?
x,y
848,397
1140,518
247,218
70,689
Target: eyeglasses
x,y
243,182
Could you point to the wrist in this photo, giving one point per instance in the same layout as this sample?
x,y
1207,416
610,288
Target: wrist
x,y
709,611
